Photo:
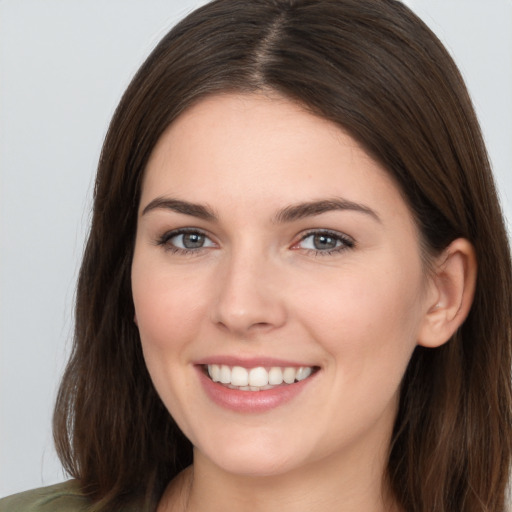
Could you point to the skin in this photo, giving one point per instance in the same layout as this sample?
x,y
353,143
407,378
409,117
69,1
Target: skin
x,y
259,288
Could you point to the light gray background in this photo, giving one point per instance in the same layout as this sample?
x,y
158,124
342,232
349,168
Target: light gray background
x,y
63,66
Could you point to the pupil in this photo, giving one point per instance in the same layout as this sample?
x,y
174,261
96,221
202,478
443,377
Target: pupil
x,y
324,242
193,240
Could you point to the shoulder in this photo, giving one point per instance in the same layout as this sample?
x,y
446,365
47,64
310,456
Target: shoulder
x,y
55,498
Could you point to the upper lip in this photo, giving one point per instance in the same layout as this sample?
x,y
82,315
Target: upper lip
x,y
250,362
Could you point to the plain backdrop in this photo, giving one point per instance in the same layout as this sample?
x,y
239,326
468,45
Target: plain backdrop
x,y
63,67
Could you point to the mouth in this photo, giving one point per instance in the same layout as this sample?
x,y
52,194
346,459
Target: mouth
x,y
258,378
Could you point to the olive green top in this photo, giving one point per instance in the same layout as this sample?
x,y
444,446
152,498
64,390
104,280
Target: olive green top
x,y
55,498
64,497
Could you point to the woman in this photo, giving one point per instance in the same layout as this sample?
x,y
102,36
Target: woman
x,y
296,289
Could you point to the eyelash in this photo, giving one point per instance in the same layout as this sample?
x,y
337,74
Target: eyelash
x,y
164,241
346,242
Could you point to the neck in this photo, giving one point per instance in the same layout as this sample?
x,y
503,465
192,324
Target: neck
x,y
350,485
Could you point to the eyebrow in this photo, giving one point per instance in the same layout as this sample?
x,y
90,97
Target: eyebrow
x,y
195,210
290,213
302,210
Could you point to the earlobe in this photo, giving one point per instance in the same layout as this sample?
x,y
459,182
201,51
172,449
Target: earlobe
x,y
453,287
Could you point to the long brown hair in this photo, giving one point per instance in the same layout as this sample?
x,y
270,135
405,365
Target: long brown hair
x,y
375,69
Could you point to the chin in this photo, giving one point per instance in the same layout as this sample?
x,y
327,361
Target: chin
x,y
258,460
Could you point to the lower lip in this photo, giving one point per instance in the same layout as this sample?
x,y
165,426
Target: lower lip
x,y
251,401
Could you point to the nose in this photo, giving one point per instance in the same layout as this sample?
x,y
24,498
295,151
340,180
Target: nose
x,y
249,297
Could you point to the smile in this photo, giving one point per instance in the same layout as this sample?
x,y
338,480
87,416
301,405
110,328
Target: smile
x,y
259,378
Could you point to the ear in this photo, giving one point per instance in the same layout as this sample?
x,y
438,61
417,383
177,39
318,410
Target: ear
x,y
452,287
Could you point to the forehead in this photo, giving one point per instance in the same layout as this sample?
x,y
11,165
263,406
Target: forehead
x,y
264,151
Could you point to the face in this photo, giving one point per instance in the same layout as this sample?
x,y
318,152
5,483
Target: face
x,y
278,286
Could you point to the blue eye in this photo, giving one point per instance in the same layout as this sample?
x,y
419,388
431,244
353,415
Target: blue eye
x,y
185,240
325,242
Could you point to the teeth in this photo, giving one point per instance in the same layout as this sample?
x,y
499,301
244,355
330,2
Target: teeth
x,y
275,376
239,376
303,373
259,378
214,371
225,375
289,375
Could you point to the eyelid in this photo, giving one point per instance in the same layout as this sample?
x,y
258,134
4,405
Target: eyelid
x,y
347,242
164,240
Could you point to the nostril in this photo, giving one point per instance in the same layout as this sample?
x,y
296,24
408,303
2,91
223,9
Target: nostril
x,y
245,321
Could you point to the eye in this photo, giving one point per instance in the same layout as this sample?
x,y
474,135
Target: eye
x,y
189,240
325,242
185,241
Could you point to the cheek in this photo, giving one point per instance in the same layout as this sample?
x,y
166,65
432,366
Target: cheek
x,y
167,314
167,305
366,321
367,331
